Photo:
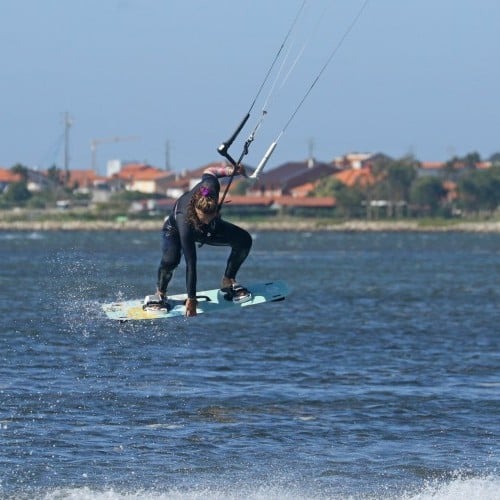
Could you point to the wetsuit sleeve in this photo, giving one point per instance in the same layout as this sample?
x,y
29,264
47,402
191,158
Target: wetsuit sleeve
x,y
219,171
188,245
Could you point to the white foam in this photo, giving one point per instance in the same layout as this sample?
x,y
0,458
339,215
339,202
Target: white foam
x,y
263,493
486,488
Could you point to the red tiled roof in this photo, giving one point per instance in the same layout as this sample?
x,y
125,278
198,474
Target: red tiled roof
x,y
432,164
83,178
141,172
483,165
152,175
451,189
303,189
134,167
183,181
353,176
310,201
6,175
249,200
284,201
289,175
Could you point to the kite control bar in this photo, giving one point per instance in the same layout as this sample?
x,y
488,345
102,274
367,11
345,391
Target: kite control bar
x,y
223,149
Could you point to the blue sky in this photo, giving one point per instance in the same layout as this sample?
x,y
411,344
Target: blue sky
x,y
413,76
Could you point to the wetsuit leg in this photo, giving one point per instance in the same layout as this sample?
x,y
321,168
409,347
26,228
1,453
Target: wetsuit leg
x,y
238,239
171,256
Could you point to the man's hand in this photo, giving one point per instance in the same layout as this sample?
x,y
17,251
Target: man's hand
x,y
191,307
240,170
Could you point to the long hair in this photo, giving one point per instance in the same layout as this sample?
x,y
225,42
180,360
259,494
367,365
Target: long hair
x,y
204,200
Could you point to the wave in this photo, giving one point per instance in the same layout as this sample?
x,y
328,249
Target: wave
x,y
486,488
483,488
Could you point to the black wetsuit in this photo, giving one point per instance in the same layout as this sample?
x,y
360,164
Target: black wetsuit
x,y
180,236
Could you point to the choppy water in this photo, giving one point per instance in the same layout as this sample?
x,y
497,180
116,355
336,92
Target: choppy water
x,y
379,377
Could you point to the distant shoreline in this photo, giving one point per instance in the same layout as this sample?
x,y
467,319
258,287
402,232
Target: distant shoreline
x,y
301,225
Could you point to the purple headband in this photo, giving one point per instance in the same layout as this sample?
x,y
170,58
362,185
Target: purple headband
x,y
205,192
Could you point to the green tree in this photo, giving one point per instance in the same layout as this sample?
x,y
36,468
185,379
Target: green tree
x,y
495,159
396,178
20,170
471,159
349,201
17,192
328,186
480,190
56,175
458,165
427,193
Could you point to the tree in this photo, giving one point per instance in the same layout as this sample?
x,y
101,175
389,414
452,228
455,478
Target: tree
x,y
480,190
55,175
495,159
20,170
328,186
457,165
427,193
17,192
471,159
348,200
396,177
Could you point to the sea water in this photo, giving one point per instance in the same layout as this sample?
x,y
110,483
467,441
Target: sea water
x,y
378,378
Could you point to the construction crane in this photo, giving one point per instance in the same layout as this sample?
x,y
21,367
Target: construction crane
x,y
97,142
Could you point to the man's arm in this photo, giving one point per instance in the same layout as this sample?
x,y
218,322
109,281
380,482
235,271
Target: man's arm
x,y
224,170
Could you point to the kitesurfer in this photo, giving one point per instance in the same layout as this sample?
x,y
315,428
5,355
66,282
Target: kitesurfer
x,y
195,218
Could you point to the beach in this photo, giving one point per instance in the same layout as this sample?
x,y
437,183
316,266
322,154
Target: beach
x,y
272,224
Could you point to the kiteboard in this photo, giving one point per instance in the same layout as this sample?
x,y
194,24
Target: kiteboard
x,y
208,301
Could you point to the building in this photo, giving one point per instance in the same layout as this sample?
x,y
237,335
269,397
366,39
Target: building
x,y
143,178
7,177
286,179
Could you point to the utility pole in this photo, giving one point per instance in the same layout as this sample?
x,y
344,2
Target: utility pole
x,y
67,126
167,155
310,160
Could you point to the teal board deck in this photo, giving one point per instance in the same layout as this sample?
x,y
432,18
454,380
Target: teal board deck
x,y
208,301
